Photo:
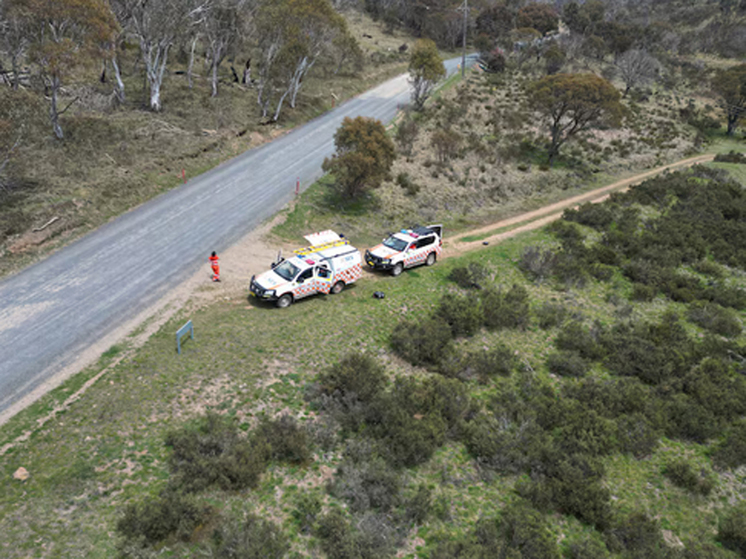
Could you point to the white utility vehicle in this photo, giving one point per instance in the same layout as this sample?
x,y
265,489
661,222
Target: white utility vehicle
x,y
326,266
407,248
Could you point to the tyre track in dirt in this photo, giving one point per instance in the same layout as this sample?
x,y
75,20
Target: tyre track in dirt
x,y
535,219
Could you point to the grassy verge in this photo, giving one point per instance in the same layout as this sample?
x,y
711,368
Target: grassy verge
x,y
253,361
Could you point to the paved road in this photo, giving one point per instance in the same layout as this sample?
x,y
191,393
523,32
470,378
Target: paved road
x,y
55,309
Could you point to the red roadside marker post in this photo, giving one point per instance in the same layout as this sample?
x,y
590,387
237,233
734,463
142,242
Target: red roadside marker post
x,y
297,187
183,175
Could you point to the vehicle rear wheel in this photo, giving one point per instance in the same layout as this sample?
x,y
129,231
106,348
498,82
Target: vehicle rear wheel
x,y
397,269
337,287
285,301
430,259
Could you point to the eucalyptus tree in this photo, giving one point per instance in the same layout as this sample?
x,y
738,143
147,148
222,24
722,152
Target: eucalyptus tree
x,y
121,10
730,85
224,23
293,34
425,69
62,34
571,103
156,24
14,37
636,67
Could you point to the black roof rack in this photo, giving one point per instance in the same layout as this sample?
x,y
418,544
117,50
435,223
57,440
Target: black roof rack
x,y
421,230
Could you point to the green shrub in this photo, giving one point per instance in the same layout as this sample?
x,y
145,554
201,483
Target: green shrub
x,y
731,157
637,435
172,514
568,364
717,388
446,143
715,318
251,538
638,536
571,485
681,474
462,313
567,232
410,439
507,444
603,254
366,482
519,532
418,506
585,432
589,548
653,353
597,216
581,340
572,270
444,398
688,420
423,342
538,264
470,276
287,440
307,508
348,390
698,549
212,451
525,531
410,187
731,451
643,293
725,296
357,374
376,537
499,360
337,536
709,268
506,310
549,315
372,538
613,397
732,529
406,134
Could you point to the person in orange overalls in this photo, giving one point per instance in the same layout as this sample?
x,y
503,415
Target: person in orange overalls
x,y
215,266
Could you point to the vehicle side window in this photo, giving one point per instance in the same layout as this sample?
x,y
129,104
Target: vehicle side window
x,y
323,273
305,274
426,241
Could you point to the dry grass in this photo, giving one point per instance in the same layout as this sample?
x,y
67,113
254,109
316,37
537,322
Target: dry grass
x,y
114,158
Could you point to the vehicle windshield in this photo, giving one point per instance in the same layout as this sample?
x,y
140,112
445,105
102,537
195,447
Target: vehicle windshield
x,y
286,270
395,243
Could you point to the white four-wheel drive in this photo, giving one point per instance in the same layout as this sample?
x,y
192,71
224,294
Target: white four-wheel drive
x,y
326,266
407,248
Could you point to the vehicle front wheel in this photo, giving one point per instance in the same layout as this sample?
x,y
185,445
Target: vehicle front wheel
x,y
430,259
285,301
337,287
397,269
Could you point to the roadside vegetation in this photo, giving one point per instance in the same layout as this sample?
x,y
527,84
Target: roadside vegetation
x,y
521,399
117,150
574,392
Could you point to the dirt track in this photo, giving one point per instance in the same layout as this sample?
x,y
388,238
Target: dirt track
x,y
547,214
